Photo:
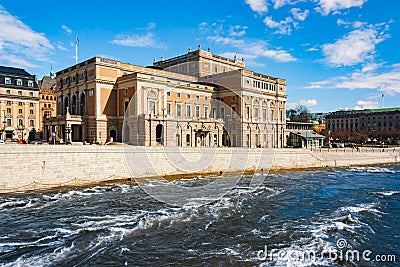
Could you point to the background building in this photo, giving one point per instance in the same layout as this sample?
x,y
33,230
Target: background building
x,y
19,103
47,99
197,99
361,125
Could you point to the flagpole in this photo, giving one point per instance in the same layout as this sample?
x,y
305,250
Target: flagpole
x,y
76,50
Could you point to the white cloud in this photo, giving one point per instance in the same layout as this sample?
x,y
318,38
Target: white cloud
x,y
17,61
361,104
136,40
297,14
281,3
151,26
254,49
356,47
259,6
227,41
312,49
327,6
237,30
376,77
17,38
283,26
308,103
303,102
66,29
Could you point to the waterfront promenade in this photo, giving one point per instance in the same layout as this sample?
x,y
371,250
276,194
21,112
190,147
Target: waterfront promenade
x,y
30,167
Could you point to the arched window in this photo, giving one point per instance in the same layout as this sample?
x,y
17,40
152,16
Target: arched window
x,y
82,105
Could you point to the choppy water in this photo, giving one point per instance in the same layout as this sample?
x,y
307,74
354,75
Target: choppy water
x,y
120,225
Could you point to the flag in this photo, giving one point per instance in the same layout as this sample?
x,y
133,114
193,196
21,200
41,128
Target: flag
x,y
77,40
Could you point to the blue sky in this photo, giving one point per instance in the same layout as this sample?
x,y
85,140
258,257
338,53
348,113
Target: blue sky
x,y
333,53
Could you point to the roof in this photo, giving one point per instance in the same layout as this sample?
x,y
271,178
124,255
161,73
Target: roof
x,y
15,71
364,111
309,135
47,83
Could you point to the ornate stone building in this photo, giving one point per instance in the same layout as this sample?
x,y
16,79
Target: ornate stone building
x,y
19,103
47,99
196,99
379,124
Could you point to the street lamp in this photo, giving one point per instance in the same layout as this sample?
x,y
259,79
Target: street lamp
x,y
4,125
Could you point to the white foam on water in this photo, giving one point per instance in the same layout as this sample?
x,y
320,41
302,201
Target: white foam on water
x,y
42,260
372,169
13,204
388,193
364,207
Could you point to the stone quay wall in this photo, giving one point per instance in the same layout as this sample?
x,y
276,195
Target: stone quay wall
x,y
30,167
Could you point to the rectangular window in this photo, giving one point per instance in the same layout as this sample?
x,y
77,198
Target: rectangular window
x,y
126,105
247,112
8,122
31,94
8,103
178,94
31,111
30,83
20,93
187,96
168,108
264,114
18,82
20,111
178,110
7,80
215,69
19,103
152,107
233,112
281,115
222,112
168,93
8,92
197,97
31,104
256,113
8,110
206,112
31,123
197,111
271,115
233,98
188,111
214,113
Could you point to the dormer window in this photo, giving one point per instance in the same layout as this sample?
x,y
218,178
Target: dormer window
x,y
30,83
18,82
7,80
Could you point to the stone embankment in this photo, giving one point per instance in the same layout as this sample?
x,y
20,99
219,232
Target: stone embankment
x,y
30,167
